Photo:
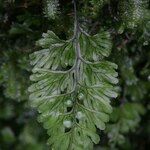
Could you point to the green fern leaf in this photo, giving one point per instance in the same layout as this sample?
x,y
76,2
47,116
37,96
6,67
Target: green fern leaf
x,y
72,88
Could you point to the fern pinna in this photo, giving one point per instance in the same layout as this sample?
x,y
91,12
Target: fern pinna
x,y
72,87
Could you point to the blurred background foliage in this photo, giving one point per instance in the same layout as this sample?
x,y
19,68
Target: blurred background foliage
x,y
21,24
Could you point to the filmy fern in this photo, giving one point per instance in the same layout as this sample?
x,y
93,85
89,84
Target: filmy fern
x,y
72,87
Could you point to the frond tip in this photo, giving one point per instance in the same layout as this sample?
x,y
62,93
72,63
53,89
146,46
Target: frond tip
x,y
71,109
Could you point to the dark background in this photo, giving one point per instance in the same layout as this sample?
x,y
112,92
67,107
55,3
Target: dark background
x,y
22,23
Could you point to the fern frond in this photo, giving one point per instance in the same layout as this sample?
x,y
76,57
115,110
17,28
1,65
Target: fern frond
x,y
51,8
73,86
72,93
132,12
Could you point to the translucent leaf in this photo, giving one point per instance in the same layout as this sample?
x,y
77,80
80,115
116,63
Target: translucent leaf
x,y
73,94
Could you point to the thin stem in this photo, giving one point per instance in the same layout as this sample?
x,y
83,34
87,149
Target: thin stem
x,y
75,18
54,71
88,109
54,96
88,62
85,33
76,69
77,46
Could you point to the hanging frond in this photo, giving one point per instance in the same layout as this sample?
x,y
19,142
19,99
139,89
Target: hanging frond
x,y
51,8
73,87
